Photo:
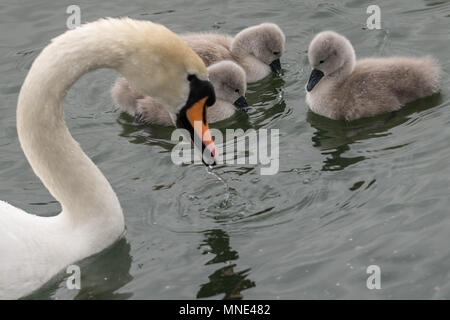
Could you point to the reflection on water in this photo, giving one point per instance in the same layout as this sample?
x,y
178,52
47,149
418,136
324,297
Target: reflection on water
x,y
106,273
334,138
224,280
141,133
267,101
101,276
335,161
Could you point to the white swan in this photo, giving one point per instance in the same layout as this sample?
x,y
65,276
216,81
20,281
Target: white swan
x,y
157,63
227,77
340,87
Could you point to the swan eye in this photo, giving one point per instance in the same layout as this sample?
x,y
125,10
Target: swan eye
x,y
321,61
190,77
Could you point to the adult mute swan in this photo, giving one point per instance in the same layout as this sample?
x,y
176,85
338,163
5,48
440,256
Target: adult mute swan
x,y
229,83
342,88
157,63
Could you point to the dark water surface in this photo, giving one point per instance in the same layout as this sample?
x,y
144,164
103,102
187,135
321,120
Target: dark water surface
x,y
348,195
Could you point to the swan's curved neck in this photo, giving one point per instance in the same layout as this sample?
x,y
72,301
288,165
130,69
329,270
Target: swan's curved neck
x,y
56,158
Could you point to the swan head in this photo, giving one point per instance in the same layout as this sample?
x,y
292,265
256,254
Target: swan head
x,y
329,54
161,65
230,84
265,42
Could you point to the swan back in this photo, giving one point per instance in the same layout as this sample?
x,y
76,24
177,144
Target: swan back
x,y
211,47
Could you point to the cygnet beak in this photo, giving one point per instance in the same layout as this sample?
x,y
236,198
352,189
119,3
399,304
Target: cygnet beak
x,y
241,104
314,78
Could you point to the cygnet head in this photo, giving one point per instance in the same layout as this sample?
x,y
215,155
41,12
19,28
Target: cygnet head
x,y
330,54
161,65
265,42
229,81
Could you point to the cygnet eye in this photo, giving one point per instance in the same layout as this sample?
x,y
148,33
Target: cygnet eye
x,y
276,53
237,90
321,61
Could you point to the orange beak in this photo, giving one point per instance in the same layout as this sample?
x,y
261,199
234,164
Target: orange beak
x,y
197,115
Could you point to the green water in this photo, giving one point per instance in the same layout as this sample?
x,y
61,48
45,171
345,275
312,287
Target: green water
x,y
348,195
